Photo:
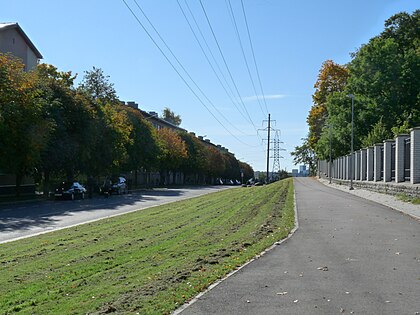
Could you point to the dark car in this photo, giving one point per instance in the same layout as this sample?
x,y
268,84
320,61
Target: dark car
x,y
70,190
120,186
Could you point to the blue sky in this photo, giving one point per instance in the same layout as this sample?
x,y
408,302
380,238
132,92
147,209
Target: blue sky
x,y
291,39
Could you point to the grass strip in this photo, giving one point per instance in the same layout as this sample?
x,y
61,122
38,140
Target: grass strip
x,y
146,262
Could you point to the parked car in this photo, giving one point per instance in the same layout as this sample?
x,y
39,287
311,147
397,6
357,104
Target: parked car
x,y
120,186
70,190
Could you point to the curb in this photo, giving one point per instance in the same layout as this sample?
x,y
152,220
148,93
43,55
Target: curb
x,y
212,286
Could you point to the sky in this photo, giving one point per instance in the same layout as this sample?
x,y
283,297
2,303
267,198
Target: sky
x,y
211,91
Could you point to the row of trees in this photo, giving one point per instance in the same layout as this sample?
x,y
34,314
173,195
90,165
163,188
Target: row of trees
x,y
50,128
383,76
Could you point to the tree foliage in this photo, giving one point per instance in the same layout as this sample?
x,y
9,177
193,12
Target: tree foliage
x,y
171,117
59,131
383,76
23,132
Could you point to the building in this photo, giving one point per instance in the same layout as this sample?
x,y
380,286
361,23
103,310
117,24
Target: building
x,y
302,172
13,40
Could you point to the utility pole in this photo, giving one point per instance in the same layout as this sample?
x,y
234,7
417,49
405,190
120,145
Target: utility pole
x,y
268,149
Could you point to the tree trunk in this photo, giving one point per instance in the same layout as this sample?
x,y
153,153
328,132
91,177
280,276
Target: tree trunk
x,y
19,178
46,183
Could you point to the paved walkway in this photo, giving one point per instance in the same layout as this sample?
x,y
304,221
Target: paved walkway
x,y
349,256
384,199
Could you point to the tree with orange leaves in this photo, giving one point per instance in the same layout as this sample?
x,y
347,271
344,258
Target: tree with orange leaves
x,y
332,78
174,151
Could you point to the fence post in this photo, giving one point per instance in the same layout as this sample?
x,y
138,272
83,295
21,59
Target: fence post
x,y
387,160
377,165
415,155
399,157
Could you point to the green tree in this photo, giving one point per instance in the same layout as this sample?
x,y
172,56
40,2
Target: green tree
x,y
23,132
171,117
332,78
96,84
144,149
195,163
111,130
303,154
71,121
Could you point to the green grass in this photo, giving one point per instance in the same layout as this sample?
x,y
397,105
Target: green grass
x,y
406,198
147,262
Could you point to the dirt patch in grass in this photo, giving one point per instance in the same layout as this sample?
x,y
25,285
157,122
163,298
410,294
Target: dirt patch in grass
x,y
150,262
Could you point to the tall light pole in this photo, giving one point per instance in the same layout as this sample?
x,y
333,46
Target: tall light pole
x,y
329,168
352,134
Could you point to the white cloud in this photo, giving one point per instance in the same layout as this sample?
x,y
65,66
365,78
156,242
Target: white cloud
x,y
267,97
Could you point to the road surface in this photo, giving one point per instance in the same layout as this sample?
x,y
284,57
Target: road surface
x,y
28,219
349,256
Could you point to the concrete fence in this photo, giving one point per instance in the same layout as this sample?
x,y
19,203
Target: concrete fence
x,y
396,160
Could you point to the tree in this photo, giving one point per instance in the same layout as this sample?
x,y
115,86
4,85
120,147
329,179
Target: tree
x,y
96,84
215,164
194,164
23,132
383,77
171,117
144,148
174,151
247,170
386,71
303,154
71,121
332,78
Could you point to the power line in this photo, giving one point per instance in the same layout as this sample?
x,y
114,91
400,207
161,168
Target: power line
x,y
179,74
211,54
226,65
183,68
212,67
253,55
228,2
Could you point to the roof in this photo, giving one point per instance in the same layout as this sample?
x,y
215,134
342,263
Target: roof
x,y
7,26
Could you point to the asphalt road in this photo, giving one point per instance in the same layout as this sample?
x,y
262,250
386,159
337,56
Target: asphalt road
x,y
349,256
28,219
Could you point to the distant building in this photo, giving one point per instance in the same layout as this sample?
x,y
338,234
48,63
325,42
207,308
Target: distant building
x,y
302,172
14,40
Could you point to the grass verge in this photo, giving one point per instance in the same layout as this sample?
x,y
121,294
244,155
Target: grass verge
x,y
147,262
407,198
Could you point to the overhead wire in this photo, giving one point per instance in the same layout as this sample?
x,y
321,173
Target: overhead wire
x,y
229,5
212,55
225,63
178,73
185,71
253,55
212,67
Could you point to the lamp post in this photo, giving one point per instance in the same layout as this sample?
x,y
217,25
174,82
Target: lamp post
x,y
352,132
329,168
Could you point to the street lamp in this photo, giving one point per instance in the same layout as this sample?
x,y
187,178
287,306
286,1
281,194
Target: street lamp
x,y
351,154
329,168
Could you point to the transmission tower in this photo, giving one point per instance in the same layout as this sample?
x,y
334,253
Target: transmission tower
x,y
276,152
